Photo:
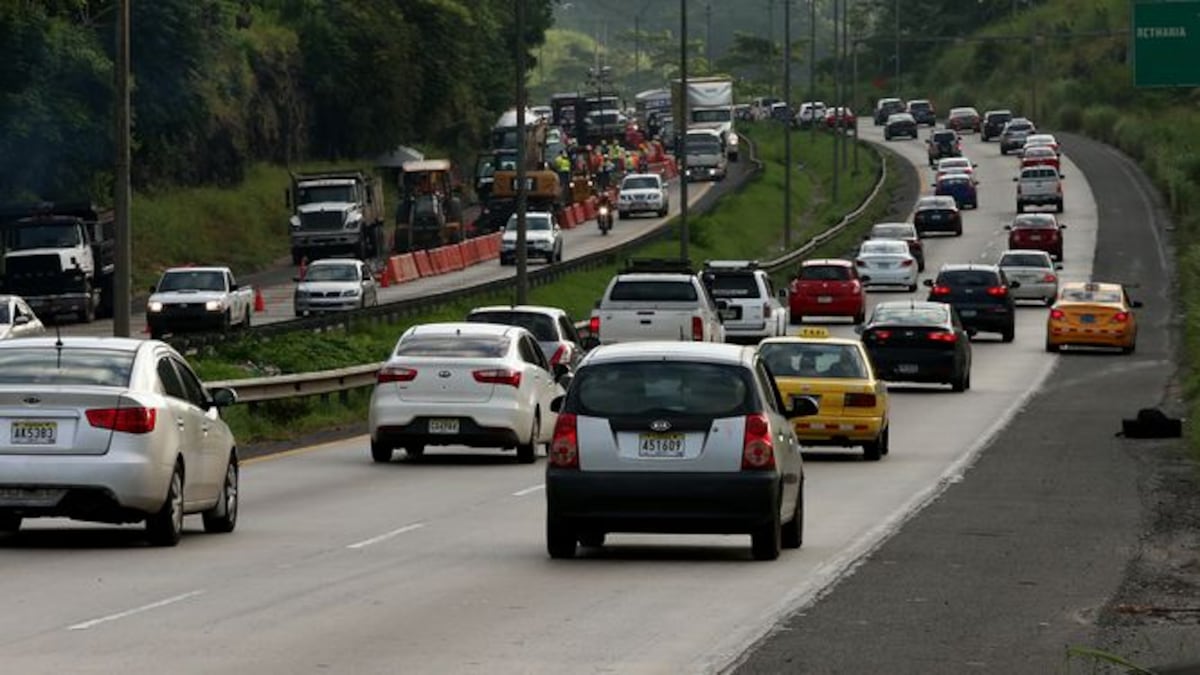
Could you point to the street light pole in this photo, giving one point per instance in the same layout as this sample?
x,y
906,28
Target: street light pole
x,y
123,258
812,69
787,125
681,126
896,18
841,126
837,77
854,98
522,193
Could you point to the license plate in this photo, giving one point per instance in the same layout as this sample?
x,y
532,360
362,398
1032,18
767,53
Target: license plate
x,y
30,496
1088,318
825,299
34,433
661,445
449,426
907,368
935,216
1035,237
731,313
966,312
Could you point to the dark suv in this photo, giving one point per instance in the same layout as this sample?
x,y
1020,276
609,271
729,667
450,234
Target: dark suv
x,y
943,143
922,111
993,123
886,107
981,295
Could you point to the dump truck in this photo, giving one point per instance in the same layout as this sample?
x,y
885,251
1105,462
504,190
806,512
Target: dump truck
x,y
431,211
335,212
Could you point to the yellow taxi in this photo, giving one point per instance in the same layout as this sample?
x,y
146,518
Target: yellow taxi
x,y
1092,314
852,403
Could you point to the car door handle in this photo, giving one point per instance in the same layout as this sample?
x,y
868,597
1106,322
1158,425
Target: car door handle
x,y
180,423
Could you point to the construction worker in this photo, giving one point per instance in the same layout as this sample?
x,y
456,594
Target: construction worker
x,y
562,166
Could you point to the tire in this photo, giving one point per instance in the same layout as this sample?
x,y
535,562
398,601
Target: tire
x,y
1130,349
380,453
88,315
1009,333
958,232
297,256
887,136
874,450
1058,207
861,317
662,213
912,287
921,265
226,323
767,539
9,523
796,319
1020,207
222,518
961,382
1003,150
414,450
622,215
165,527
156,334
245,325
561,540
527,452
591,539
1051,347
792,535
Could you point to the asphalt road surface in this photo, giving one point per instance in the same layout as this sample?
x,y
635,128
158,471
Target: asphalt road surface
x,y
439,565
1019,559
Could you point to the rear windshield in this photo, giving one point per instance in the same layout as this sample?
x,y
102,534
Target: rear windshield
x,y
732,286
653,291
968,278
1036,221
1019,126
918,105
944,136
910,315
824,273
892,231
813,359
1078,295
884,246
662,388
452,346
1039,173
930,203
542,326
66,366
954,180
1025,260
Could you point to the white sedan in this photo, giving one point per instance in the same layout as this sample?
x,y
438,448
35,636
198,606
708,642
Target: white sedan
x,y
886,262
474,384
17,319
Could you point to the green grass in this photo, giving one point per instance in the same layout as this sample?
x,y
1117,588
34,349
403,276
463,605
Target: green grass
x,y
746,224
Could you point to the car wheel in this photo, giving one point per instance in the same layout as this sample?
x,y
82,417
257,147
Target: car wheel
x,y
877,448
792,535
380,452
222,517
591,539
767,539
165,527
414,450
88,315
1008,333
1130,349
662,213
9,523
1020,207
861,317
960,382
156,334
561,541
1048,300
527,452
912,287
958,232
1051,347
887,137
795,319
921,265
1059,207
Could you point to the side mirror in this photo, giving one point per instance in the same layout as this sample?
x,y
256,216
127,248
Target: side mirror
x,y
1014,284
1008,227
803,406
858,328
222,397
21,320
1136,304
556,405
864,279
974,165
1062,226
1016,178
153,289
1062,175
928,282
233,287
782,294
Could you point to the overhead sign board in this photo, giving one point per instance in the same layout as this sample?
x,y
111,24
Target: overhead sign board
x,y
1165,43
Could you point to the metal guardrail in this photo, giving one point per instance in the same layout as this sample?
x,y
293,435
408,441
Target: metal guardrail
x,y
342,380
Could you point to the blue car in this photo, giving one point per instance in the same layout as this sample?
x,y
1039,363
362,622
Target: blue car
x,y
959,186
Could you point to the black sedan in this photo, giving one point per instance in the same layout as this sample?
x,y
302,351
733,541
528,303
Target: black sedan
x,y
914,341
900,124
938,214
980,294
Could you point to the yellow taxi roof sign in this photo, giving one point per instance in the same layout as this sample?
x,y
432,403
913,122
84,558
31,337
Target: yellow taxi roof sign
x,y
814,332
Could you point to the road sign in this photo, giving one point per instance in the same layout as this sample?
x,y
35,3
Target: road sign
x,y
1165,43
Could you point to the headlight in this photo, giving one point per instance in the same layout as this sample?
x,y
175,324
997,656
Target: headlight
x,y
733,139
352,293
301,295
154,307
604,210
213,305
294,221
352,223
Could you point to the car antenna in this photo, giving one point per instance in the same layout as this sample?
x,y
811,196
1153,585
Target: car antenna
x,y
58,345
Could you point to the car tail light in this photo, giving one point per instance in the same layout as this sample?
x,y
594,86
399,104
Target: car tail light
x,y
940,290
564,448
558,355
1120,317
1049,278
127,420
1060,188
997,291
697,329
859,400
860,262
1057,315
906,263
504,376
757,451
944,336
594,326
766,309
881,334
395,374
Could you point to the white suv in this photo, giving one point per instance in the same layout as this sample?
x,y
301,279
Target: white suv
x,y
642,193
675,437
746,300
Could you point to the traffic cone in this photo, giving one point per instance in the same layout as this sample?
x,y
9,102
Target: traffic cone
x,y
385,279
260,305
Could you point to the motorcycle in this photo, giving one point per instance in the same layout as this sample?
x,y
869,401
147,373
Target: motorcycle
x,y
604,218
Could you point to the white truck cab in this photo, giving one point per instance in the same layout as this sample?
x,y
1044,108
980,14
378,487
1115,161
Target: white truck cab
x,y
656,300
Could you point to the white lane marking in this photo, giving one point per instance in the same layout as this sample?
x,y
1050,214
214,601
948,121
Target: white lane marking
x,y
136,610
385,536
529,490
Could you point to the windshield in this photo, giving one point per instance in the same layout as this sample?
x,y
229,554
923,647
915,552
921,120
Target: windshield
x,y
910,315
451,346
317,194
717,115
813,359
192,281
1025,260
644,388
732,286
825,273
331,273
542,326
703,145
642,183
650,291
918,105
42,235
4,318
532,223
66,366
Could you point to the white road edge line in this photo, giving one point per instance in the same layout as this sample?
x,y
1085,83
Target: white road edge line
x,y
385,536
136,610
529,490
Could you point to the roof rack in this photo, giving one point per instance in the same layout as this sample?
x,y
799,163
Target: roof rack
x,y
665,265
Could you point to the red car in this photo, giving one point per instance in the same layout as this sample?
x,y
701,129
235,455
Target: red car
x,y
1038,155
827,287
1038,231
964,119
840,117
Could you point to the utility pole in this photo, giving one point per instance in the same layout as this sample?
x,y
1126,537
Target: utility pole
x,y
812,67
637,50
854,98
841,126
123,260
896,18
837,75
681,129
787,125
708,49
1033,76
522,192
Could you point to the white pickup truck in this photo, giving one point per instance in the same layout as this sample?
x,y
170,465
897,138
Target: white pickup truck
x,y
1039,186
198,299
652,305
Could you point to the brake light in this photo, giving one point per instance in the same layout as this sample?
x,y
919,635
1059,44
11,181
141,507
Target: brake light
x,y
594,326
860,262
504,376
1049,278
395,374
697,329
766,309
126,420
1057,315
881,334
859,400
940,290
944,336
558,355
998,291
1120,317
758,453
906,263
564,448
1060,188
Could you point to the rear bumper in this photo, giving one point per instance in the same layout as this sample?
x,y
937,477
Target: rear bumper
x,y
687,503
944,225
62,303
837,306
1084,337
314,305
1053,198
1035,290
914,365
903,276
837,430
119,486
492,424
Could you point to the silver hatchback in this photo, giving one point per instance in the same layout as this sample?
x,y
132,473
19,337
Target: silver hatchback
x,y
335,285
112,430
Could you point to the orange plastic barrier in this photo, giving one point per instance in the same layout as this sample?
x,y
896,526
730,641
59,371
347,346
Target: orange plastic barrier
x,y
589,209
454,257
424,264
577,213
563,221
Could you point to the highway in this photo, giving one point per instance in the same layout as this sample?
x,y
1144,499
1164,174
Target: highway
x,y
439,565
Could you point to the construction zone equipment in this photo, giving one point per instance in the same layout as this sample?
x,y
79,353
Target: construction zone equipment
x,y
542,193
431,210
260,303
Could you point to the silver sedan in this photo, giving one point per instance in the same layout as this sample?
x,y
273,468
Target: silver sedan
x,y
1036,271
335,285
112,430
